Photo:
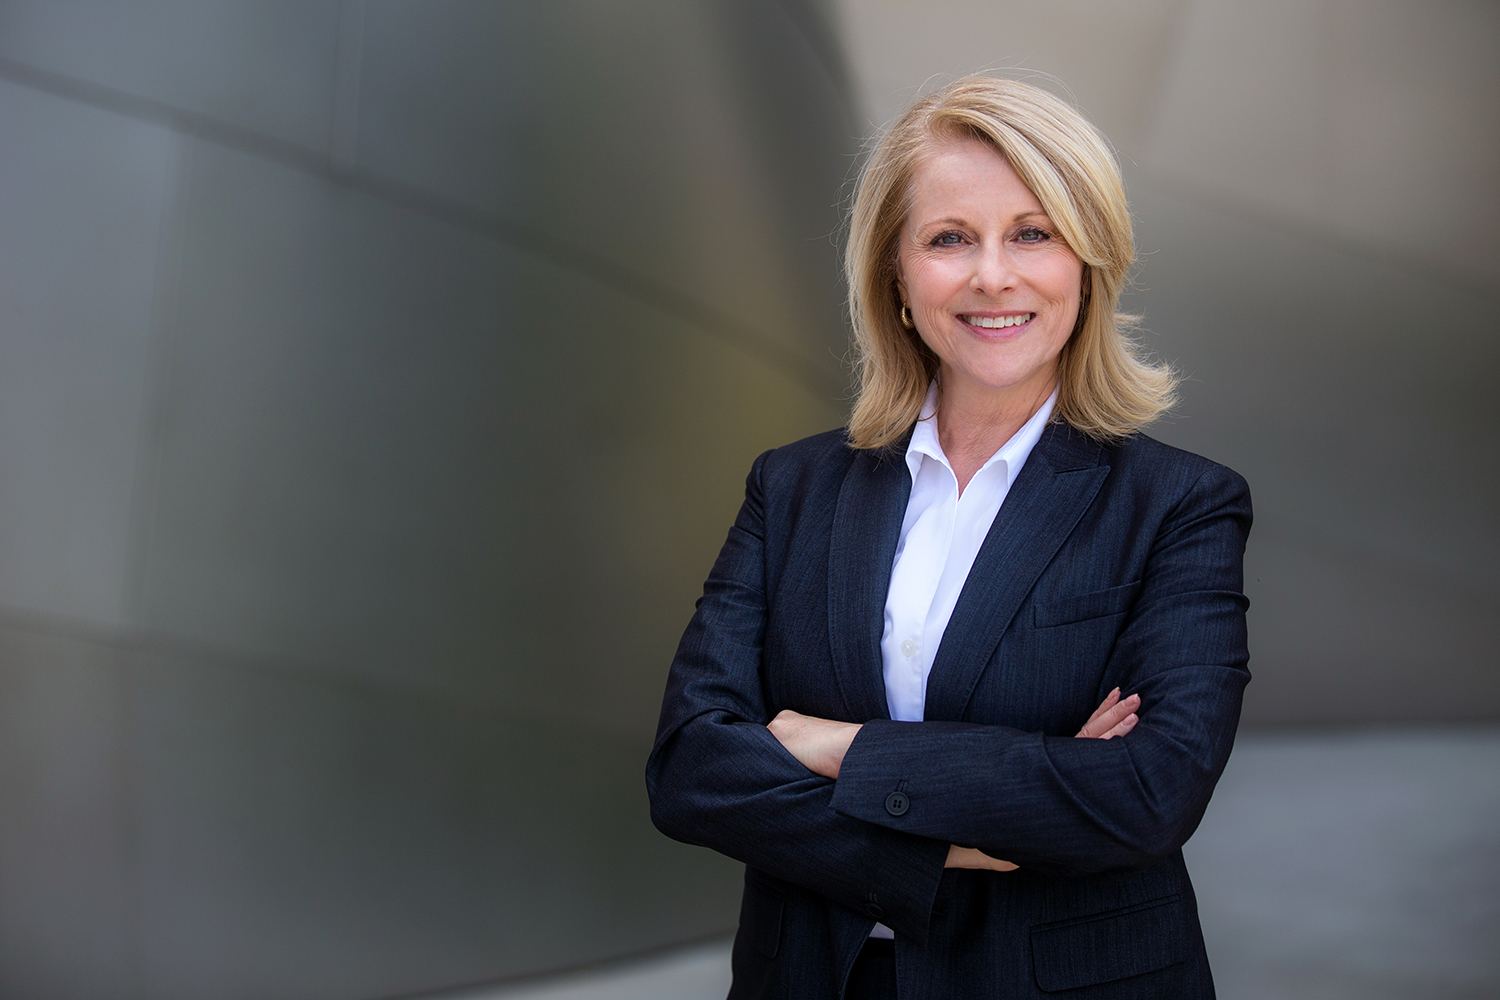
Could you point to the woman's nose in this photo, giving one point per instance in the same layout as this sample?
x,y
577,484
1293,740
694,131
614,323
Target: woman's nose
x,y
993,272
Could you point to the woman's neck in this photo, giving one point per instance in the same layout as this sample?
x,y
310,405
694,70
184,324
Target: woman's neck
x,y
973,425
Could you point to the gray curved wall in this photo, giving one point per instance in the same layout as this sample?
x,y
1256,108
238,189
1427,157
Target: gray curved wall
x,y
377,381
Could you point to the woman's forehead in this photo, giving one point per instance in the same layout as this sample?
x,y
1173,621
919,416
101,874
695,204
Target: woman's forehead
x,y
967,177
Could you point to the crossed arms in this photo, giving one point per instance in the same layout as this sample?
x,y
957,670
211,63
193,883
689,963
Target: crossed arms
x,y
820,744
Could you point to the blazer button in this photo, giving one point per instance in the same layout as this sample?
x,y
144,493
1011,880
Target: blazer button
x,y
875,910
896,804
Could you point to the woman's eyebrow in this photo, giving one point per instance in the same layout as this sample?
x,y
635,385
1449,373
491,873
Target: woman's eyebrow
x,y
952,220
948,221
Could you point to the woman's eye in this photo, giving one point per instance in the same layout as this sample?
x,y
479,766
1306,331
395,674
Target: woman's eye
x,y
948,239
1031,234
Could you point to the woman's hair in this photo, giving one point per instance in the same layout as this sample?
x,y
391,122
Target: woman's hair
x,y
1108,389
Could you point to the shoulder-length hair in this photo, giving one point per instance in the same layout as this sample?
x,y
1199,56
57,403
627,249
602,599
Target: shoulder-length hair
x,y
1107,388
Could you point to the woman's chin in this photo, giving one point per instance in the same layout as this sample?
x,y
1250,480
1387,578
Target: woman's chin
x,y
1004,380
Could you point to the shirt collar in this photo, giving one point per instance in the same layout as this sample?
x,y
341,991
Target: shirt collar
x,y
924,439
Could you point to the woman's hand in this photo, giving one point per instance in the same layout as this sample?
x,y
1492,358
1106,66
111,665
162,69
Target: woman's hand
x,y
820,744
1113,717
969,857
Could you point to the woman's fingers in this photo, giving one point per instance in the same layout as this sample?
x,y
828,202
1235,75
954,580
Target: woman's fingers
x,y
1124,726
1109,702
969,857
1110,719
1100,722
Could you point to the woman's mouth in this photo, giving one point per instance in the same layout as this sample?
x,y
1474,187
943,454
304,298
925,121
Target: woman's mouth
x,y
997,322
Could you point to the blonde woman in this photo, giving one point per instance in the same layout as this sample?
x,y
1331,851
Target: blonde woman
x,y
876,705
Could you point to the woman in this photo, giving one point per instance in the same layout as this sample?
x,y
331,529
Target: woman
x,y
875,703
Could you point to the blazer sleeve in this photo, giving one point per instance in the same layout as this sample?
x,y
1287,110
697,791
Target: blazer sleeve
x,y
1063,805
719,779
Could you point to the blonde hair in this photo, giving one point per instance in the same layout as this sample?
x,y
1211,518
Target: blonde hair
x,y
1107,388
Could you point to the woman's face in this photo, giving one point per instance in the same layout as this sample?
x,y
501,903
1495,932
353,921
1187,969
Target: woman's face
x,y
991,286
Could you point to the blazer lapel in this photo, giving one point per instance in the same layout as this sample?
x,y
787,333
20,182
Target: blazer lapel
x,y
866,527
1059,481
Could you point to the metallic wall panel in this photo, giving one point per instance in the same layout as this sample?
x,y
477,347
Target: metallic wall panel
x,y
269,66
85,199
1372,119
67,913
653,145
458,452
381,379
301,838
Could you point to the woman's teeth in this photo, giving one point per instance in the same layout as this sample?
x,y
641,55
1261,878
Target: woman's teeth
x,y
997,322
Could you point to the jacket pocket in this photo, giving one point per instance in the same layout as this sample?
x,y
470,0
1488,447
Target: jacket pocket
x,y
1080,607
761,910
1103,947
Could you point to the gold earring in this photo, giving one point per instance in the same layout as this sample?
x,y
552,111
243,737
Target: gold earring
x,y
906,317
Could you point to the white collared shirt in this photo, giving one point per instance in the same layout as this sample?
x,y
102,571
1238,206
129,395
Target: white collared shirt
x,y
940,536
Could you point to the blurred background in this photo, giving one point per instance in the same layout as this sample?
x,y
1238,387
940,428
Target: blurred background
x,y
377,383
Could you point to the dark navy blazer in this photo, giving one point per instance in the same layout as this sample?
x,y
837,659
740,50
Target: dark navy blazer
x,y
1107,565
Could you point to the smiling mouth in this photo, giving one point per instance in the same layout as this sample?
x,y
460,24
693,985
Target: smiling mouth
x,y
997,322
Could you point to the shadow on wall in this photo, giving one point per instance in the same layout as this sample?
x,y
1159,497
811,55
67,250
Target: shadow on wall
x,y
378,380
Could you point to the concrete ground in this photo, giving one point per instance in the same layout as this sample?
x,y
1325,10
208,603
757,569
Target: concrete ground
x,y
1330,866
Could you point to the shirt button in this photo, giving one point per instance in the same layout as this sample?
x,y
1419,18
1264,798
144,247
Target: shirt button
x,y
908,648
875,910
896,804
